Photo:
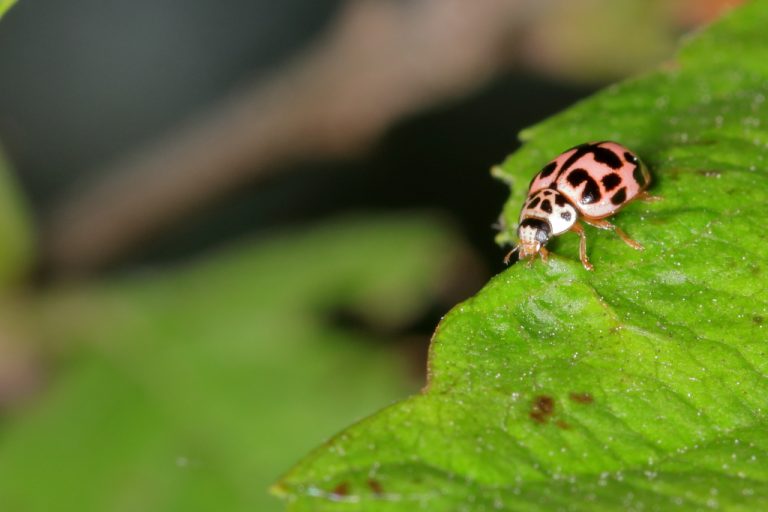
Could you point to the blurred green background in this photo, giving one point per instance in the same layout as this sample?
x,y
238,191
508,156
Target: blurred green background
x,y
228,229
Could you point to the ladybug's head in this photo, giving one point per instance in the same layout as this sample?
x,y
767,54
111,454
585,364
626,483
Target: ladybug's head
x,y
534,235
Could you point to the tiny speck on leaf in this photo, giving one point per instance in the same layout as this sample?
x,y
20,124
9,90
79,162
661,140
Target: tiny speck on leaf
x,y
375,486
581,398
341,490
542,408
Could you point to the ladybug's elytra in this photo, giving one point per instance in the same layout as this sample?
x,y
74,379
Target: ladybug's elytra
x,y
591,181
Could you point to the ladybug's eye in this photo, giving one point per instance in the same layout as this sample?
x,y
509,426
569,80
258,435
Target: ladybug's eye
x,y
629,157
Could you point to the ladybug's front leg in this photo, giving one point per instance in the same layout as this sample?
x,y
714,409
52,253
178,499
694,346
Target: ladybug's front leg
x,y
579,230
544,254
512,256
604,224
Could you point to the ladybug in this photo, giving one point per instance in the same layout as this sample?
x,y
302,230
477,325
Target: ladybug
x,y
591,181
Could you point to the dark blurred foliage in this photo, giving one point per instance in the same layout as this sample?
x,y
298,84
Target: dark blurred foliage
x,y
438,160
85,80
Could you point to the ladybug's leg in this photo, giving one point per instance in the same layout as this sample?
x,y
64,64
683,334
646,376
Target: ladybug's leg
x,y
648,198
512,254
544,254
579,230
604,224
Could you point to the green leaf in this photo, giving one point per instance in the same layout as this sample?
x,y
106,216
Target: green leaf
x,y
5,5
16,230
640,386
190,389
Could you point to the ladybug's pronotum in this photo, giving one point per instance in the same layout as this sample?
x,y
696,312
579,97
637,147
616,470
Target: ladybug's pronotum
x,y
589,182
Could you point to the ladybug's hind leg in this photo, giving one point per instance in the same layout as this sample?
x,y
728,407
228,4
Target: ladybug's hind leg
x,y
604,224
648,198
579,230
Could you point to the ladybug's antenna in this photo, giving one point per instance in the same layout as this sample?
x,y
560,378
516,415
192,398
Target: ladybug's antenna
x,y
512,256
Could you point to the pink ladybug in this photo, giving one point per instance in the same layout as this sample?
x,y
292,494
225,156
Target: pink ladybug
x,y
592,181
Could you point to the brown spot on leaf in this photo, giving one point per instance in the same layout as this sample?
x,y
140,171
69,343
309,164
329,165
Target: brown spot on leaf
x,y
542,408
582,398
375,486
563,425
758,320
341,490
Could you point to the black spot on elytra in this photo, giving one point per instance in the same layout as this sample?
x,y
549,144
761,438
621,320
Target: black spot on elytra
x,y
611,181
534,202
577,177
620,196
548,169
548,192
639,176
542,408
565,215
630,157
546,206
607,157
580,147
560,200
591,192
579,152
581,398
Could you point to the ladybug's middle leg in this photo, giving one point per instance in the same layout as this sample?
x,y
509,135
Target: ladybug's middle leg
x,y
579,230
604,224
